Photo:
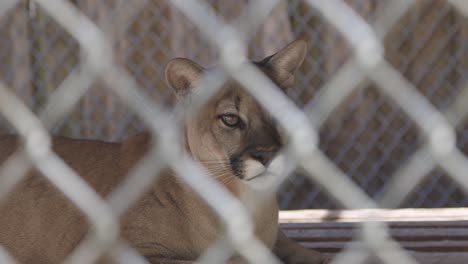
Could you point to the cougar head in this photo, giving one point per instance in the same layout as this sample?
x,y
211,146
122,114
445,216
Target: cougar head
x,y
232,135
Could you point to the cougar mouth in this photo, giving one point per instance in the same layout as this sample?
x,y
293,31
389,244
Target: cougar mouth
x,y
236,167
247,169
257,176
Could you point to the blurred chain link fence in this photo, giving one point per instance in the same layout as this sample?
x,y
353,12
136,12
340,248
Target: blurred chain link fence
x,y
367,136
389,97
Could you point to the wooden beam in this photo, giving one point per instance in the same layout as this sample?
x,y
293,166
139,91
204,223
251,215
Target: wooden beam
x,y
387,215
429,235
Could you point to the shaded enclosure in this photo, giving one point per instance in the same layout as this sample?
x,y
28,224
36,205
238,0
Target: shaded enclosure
x,y
367,136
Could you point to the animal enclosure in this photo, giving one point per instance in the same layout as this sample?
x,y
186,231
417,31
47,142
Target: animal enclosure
x,y
367,136
380,101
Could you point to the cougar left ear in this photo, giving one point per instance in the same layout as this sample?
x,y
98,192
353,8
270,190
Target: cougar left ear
x,y
283,65
181,75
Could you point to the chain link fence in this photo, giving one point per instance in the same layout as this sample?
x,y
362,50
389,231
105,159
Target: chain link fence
x,y
367,136
382,94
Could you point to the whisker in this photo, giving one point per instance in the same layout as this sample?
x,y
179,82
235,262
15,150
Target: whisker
x,y
223,175
214,160
221,170
228,180
218,169
215,163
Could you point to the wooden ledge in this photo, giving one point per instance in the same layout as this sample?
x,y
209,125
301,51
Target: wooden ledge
x,y
430,235
385,215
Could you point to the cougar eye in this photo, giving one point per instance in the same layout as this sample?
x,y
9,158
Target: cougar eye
x,y
230,120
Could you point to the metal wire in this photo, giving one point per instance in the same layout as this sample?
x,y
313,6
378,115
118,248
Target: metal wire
x,y
367,64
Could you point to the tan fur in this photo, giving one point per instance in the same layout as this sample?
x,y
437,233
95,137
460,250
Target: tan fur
x,y
39,225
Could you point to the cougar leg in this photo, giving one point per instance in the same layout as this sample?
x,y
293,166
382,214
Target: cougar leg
x,y
290,252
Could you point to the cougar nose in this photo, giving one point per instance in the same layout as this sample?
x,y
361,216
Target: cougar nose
x,y
264,156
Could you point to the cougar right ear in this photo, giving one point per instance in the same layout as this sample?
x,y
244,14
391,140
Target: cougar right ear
x,y
284,64
181,74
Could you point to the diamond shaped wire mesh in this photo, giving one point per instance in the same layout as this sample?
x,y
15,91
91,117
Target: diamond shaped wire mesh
x,y
382,99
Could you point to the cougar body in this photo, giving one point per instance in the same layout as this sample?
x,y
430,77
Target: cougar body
x,y
232,136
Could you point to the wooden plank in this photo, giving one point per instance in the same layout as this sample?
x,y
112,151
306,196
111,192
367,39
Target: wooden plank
x,y
440,258
430,258
429,235
344,225
409,234
442,246
387,215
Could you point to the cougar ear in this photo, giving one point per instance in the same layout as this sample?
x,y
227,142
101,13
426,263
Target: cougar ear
x,y
283,65
181,75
